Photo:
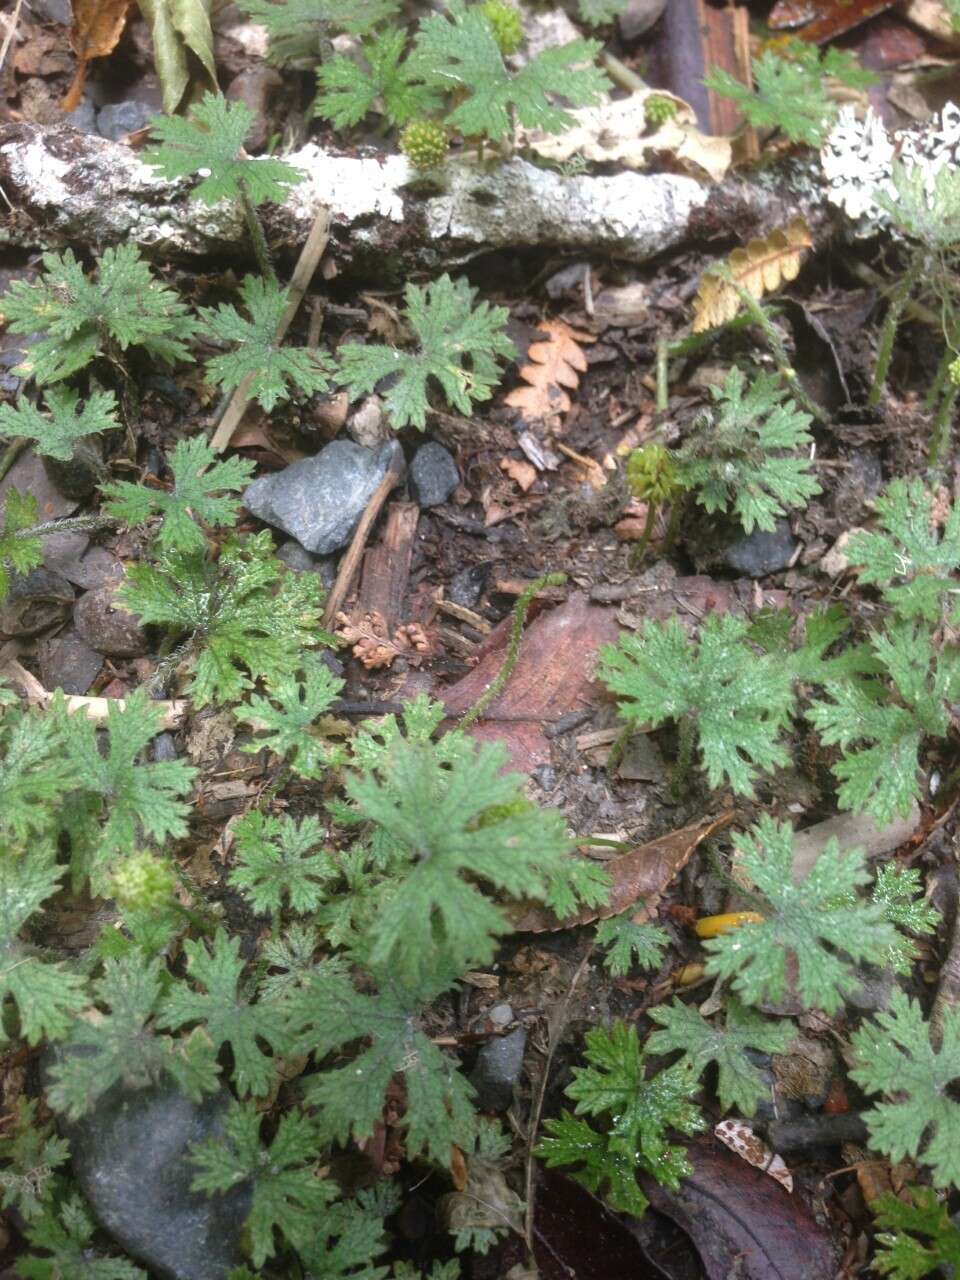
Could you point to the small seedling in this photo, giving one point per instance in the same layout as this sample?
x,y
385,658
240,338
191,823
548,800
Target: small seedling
x,y
79,318
461,347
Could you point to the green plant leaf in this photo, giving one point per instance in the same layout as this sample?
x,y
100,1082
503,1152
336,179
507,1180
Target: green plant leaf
x,y
738,700
289,1193
348,90
919,1237
819,923
179,28
460,347
210,145
19,552
630,945
298,28
894,1056
750,455
913,564
67,1237
330,1014
456,51
121,1045
199,481
31,1153
276,858
245,616
225,1012
640,1113
55,435
739,1082
278,372
79,318
293,717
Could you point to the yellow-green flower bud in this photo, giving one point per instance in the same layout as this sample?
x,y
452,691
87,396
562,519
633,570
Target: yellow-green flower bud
x,y
424,143
506,24
143,881
658,109
651,474
954,372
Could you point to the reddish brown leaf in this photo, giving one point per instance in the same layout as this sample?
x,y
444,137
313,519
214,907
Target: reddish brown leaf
x,y
741,1222
552,676
644,872
818,21
96,30
555,363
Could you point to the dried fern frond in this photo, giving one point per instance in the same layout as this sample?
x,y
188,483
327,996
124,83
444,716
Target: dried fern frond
x,y
760,267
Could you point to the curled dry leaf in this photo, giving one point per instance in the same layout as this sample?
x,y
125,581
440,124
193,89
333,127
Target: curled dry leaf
x,y
96,29
760,267
618,133
554,364
373,644
522,473
644,872
740,1138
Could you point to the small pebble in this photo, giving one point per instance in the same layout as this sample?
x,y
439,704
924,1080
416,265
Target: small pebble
x,y
108,627
433,475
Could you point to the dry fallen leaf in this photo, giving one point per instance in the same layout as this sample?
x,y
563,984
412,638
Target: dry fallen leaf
x,y
618,133
555,363
96,30
644,872
760,266
521,472
375,647
739,1137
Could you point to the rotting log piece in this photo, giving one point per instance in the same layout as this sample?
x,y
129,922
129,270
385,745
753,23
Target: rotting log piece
x,y
65,188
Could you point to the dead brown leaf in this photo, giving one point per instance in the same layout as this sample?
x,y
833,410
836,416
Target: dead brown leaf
x,y
96,30
375,646
523,473
555,363
644,872
760,267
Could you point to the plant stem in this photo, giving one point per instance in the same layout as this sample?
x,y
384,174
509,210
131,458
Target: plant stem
x,y
787,371
255,231
663,380
637,554
520,610
899,297
681,770
11,453
942,423
75,524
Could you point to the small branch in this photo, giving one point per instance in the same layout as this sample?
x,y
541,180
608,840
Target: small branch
x,y
351,561
12,453
520,610
74,524
310,255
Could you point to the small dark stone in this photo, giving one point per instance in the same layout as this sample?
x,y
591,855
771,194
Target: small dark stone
x,y
638,16
35,601
320,500
84,118
164,747
121,118
108,627
433,475
499,1063
545,776
130,1158
300,561
67,662
760,553
467,587
58,11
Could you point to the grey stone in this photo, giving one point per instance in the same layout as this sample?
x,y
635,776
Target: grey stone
x,y
319,500
67,662
433,475
107,626
129,1156
499,1062
58,11
467,587
164,747
84,118
760,553
300,561
35,601
120,118
638,16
